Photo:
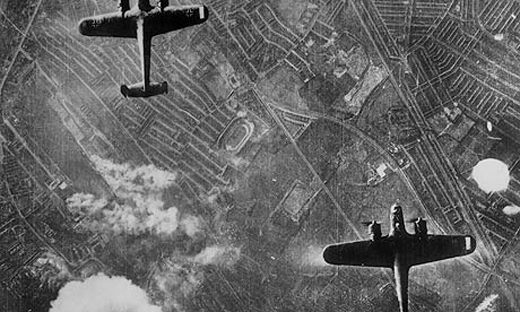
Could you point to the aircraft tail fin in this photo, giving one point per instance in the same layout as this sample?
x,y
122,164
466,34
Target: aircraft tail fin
x,y
138,90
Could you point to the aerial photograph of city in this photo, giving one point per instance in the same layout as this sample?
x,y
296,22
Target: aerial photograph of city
x,y
211,155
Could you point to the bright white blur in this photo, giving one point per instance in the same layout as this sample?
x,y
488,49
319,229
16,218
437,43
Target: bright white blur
x,y
491,175
511,210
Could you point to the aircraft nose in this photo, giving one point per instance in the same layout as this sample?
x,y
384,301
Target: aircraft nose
x,y
84,26
331,254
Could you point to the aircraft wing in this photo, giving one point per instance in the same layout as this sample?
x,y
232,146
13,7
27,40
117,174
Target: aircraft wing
x,y
440,247
108,25
176,17
361,253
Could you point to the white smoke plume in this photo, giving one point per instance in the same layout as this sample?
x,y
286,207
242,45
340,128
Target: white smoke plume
x,y
138,206
488,304
52,269
191,225
178,277
173,283
218,255
237,161
101,293
511,210
125,178
86,202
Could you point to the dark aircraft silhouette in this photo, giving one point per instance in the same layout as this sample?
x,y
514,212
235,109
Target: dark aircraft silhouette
x,y
143,22
399,250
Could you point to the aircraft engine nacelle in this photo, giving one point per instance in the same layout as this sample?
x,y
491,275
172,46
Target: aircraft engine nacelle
x,y
124,5
420,227
374,229
138,90
163,3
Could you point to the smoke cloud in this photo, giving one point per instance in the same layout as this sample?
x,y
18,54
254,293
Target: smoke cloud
x,y
511,210
491,175
191,225
176,280
218,255
85,202
101,293
178,277
488,304
52,269
237,161
138,206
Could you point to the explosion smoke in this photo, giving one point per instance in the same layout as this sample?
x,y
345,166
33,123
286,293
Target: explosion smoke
x,y
218,255
190,225
488,304
138,206
491,175
53,270
101,293
511,210
177,278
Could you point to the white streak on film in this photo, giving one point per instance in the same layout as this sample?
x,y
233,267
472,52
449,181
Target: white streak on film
x,y
468,243
201,12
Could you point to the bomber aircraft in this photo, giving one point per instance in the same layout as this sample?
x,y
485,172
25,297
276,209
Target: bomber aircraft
x,y
143,22
399,250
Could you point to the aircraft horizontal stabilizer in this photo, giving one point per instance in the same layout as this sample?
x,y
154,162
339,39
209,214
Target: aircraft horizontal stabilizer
x,y
138,90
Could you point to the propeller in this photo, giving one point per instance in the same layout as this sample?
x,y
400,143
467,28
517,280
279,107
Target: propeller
x,y
420,226
374,229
